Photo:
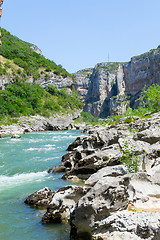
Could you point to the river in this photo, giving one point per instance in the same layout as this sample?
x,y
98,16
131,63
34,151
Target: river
x,y
23,170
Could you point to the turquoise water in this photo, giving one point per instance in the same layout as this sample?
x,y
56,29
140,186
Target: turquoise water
x,y
23,170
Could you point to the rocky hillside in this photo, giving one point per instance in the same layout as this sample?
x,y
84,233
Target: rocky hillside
x,y
116,202
30,84
112,85
82,82
23,61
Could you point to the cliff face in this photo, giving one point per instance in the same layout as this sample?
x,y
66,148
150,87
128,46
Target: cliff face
x,y
103,85
142,70
82,81
109,82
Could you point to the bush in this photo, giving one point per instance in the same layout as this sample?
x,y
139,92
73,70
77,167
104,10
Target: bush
x,y
130,159
151,97
26,99
128,120
53,90
88,118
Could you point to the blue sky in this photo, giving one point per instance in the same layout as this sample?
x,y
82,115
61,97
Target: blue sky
x,y
80,33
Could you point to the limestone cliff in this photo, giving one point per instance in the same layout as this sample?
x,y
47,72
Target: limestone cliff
x,y
82,81
106,81
109,83
141,71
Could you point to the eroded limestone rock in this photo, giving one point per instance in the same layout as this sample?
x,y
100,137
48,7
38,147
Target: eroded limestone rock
x,y
108,195
63,203
41,198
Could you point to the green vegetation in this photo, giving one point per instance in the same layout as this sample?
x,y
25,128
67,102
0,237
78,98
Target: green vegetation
x,y
111,67
128,120
130,159
150,103
152,98
25,57
87,118
26,99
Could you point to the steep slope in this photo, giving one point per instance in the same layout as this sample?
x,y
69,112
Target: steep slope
x,y
105,80
141,71
30,84
82,82
112,87
24,61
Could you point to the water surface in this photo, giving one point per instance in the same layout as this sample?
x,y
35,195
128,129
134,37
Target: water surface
x,y
23,170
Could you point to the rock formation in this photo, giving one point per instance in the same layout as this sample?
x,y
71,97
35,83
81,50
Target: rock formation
x,y
44,80
111,85
41,198
82,82
113,204
88,154
101,87
39,123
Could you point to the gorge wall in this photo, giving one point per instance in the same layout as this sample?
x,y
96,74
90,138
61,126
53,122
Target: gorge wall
x,y
110,85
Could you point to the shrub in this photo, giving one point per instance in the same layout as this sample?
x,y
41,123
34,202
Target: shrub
x,y
128,120
26,99
52,89
151,97
130,159
89,118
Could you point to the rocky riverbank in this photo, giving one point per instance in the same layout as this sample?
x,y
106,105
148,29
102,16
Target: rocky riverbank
x,y
111,203
39,123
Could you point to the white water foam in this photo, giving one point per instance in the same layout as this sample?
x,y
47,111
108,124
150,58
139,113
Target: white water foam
x,y
58,138
19,179
50,145
40,149
36,140
48,159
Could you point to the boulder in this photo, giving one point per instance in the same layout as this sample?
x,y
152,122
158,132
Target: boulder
x,y
41,198
110,171
118,206
108,195
151,135
84,167
116,235
16,136
130,225
63,203
145,198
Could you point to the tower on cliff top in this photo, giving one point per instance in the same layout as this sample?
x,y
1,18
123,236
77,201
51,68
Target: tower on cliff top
x,y
1,2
